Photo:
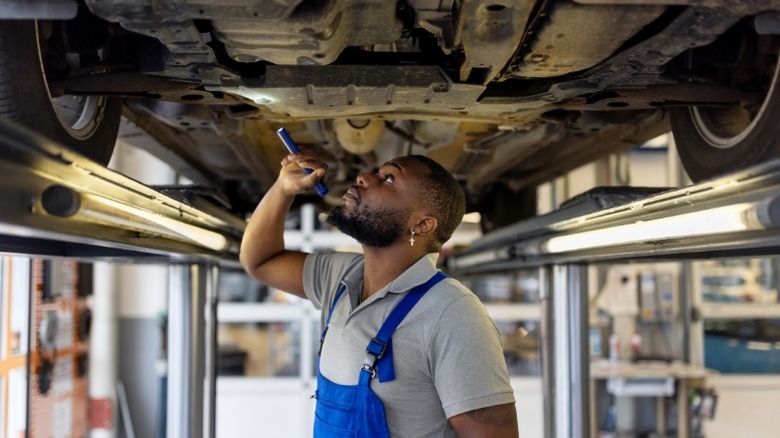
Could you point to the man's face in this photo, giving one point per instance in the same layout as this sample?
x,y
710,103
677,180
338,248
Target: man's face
x,y
373,227
376,210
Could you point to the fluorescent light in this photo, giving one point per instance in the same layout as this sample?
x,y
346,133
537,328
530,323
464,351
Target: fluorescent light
x,y
154,223
737,217
62,201
472,218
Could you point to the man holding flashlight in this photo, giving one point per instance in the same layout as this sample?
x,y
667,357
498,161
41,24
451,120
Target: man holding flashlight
x,y
405,350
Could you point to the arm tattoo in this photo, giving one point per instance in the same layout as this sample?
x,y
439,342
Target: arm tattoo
x,y
501,415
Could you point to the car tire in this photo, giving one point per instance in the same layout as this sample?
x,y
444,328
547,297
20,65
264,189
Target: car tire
x,y
712,141
85,124
503,206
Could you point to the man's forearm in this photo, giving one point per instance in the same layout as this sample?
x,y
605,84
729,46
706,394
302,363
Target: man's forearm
x,y
493,422
263,255
264,234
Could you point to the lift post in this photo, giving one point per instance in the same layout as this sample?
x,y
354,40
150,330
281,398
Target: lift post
x,y
192,350
566,365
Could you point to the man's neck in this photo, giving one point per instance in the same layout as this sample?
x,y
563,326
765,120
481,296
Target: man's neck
x,y
385,265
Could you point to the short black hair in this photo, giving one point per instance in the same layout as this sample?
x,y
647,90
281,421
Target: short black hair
x,y
444,195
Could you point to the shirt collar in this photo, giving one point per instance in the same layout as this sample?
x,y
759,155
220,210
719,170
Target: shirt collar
x,y
420,272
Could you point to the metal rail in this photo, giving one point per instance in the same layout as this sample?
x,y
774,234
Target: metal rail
x,y
735,215
58,203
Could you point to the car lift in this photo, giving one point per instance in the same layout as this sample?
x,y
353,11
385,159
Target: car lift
x,y
57,203
735,215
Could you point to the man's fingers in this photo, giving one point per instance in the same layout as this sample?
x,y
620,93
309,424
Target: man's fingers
x,y
316,176
287,160
312,164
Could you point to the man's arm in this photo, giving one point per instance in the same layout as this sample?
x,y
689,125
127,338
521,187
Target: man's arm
x,y
465,330
262,254
491,422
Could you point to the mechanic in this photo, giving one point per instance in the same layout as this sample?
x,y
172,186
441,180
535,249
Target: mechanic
x,y
406,351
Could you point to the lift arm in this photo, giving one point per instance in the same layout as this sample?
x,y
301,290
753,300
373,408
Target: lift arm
x,y
58,203
735,215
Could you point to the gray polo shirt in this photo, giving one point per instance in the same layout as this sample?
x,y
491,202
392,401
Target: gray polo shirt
x,y
447,352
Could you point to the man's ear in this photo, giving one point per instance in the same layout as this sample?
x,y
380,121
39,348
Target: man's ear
x,y
427,225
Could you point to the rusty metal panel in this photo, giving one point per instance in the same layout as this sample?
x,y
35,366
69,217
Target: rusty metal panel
x,y
312,35
571,37
283,32
490,33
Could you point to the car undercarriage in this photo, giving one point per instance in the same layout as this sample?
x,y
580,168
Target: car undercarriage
x,y
505,94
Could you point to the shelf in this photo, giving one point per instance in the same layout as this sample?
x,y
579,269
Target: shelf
x,y
514,312
740,311
603,369
264,312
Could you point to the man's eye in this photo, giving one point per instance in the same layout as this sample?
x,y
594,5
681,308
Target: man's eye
x,y
389,178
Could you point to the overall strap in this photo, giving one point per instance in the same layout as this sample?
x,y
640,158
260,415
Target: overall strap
x,y
330,313
380,346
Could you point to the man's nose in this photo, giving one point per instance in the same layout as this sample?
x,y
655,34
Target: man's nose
x,y
364,179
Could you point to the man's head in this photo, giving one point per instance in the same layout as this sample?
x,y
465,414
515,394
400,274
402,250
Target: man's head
x,y
443,196
381,208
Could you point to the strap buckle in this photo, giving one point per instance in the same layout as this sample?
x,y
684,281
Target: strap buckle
x,y
374,352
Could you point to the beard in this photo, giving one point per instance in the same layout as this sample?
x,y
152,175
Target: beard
x,y
377,228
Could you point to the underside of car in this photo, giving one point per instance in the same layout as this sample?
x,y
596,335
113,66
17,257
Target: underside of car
x,y
505,94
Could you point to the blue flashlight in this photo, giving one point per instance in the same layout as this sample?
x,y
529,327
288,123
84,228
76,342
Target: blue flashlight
x,y
322,190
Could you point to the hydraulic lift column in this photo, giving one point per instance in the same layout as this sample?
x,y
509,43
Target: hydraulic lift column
x,y
192,350
565,358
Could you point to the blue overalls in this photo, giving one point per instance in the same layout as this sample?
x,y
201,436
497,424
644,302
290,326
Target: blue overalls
x,y
355,411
